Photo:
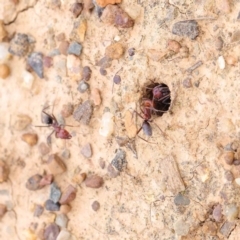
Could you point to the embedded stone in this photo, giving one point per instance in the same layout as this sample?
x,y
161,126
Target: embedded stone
x,y
68,195
55,164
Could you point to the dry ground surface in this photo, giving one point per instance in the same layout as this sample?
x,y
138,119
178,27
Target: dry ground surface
x,y
179,186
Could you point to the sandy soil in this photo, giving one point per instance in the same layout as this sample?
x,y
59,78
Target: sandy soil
x,y
202,120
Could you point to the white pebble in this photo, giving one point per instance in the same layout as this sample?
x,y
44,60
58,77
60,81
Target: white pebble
x,y
3,51
117,39
28,80
64,235
237,180
231,212
221,62
107,125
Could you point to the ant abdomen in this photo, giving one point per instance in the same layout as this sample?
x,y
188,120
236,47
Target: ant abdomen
x,y
147,129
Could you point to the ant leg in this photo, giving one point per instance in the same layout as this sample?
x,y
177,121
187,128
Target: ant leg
x,y
134,111
51,116
49,141
39,126
165,136
143,138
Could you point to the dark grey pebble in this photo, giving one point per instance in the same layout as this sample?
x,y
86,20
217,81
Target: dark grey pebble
x,y
51,206
188,28
181,200
75,48
19,45
55,192
83,87
35,61
119,161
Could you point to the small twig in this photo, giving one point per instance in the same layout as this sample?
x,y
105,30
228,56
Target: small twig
x,y
195,66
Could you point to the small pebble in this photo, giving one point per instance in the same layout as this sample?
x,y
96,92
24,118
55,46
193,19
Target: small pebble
x,y
76,9
104,3
30,138
107,125
60,37
55,192
33,183
103,72
73,65
112,172
65,209
231,60
61,220
130,126
237,181
231,212
27,80
55,164
187,82
174,46
188,28
219,43
68,195
117,79
3,32
217,213
83,86
51,232
19,45
102,163
223,6
43,149
94,181
86,150
3,210
181,228
210,228
131,52
47,61
184,52
114,14
221,62
46,180
21,121
236,36
156,55
67,110
74,48
79,178
4,54
63,47
78,32
114,51
4,71
4,171
53,53
64,235
66,154
95,96
83,113
236,162
86,73
229,157
228,176
238,16
52,206
181,200
95,206
119,161
227,228
38,211
35,61
104,62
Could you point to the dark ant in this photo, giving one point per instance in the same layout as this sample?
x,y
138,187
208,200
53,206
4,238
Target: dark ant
x,y
60,132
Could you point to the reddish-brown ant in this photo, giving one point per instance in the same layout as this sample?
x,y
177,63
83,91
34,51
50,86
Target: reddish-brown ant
x,y
148,107
59,130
